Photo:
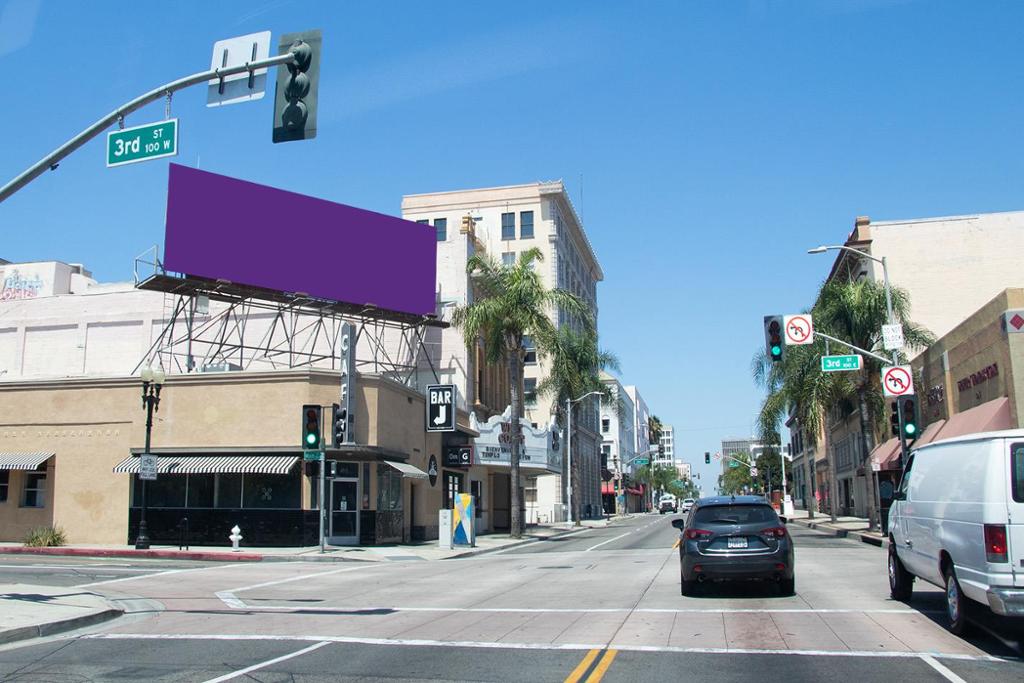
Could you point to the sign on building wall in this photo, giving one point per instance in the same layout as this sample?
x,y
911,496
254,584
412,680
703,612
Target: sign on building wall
x,y
348,379
440,408
494,445
460,456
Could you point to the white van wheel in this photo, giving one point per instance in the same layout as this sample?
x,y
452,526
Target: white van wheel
x,y
901,582
957,605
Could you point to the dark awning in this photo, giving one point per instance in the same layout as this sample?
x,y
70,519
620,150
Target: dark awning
x,y
214,464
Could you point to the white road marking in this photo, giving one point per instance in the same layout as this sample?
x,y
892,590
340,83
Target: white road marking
x,y
102,567
878,654
229,598
949,675
261,665
156,575
608,541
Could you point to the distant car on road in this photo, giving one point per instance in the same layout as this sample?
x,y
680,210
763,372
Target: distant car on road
x,y
957,521
734,538
667,503
687,504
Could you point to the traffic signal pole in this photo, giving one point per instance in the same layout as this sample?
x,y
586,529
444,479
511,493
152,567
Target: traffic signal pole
x,y
51,160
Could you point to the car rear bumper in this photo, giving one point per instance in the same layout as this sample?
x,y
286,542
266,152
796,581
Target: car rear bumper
x,y
771,566
1008,602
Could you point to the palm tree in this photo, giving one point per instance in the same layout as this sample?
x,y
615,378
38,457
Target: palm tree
x,y
654,429
576,363
513,302
855,312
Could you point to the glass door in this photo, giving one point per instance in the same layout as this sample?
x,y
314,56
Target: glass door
x,y
344,519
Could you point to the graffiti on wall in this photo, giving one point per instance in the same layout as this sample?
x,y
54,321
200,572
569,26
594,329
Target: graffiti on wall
x,y
14,286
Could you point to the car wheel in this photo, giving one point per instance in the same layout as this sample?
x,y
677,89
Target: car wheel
x,y
901,582
957,604
787,587
687,588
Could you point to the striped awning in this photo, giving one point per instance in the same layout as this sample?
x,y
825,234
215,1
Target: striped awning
x,y
10,460
214,464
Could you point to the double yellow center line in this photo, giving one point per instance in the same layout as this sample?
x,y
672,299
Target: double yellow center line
x,y
597,672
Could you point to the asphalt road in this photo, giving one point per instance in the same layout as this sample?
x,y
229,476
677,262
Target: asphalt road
x,y
602,604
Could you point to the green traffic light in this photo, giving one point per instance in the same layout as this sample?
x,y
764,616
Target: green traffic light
x,y
311,439
776,350
910,429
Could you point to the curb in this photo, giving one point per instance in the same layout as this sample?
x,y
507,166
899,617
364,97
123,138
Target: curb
x,y
528,541
843,533
50,628
150,554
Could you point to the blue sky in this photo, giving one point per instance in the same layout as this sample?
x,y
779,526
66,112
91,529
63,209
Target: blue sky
x,y
707,145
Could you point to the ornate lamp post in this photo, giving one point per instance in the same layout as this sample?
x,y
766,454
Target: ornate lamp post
x,y
152,382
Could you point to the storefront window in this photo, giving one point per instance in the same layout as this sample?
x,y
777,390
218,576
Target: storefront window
x,y
347,470
229,490
5,480
35,489
389,489
200,490
168,491
272,491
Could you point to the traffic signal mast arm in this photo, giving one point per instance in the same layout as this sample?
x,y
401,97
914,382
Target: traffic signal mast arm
x,y
855,348
51,160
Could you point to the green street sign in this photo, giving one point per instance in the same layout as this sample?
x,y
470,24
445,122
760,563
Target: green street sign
x,y
841,363
142,143
642,461
733,463
312,455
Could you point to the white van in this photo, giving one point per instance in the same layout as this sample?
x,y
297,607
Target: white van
x,y
957,521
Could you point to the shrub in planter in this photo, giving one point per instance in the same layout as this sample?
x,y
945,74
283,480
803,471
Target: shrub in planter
x,y
45,537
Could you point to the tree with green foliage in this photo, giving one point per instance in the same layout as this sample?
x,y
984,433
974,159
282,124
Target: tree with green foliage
x,y
512,302
576,364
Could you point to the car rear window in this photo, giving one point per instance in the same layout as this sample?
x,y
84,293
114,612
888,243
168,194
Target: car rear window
x,y
735,514
1017,471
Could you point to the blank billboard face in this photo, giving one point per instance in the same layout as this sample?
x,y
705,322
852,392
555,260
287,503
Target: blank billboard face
x,y
249,234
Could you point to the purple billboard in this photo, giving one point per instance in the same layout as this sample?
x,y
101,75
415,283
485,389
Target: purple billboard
x,y
249,234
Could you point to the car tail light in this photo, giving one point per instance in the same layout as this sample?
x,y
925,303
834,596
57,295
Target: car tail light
x,y
774,532
995,543
697,534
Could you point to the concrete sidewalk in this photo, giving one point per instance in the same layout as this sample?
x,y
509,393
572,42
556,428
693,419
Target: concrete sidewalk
x,y
845,527
426,550
28,611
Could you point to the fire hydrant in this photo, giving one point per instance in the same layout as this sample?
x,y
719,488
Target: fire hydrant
x,y
235,537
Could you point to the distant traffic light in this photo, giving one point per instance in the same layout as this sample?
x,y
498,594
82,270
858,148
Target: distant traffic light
x,y
773,337
311,421
894,418
295,99
707,458
339,426
908,409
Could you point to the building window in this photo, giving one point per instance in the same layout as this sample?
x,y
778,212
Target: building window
x,y
530,357
389,489
605,425
508,226
606,453
441,226
35,488
508,258
530,391
452,487
5,480
525,224
423,221
477,489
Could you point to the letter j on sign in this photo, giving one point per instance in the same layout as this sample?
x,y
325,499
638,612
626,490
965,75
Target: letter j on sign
x,y
440,408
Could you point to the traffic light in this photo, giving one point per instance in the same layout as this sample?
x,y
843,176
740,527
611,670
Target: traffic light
x,y
311,422
908,408
295,97
894,418
312,468
661,449
339,425
773,337
707,458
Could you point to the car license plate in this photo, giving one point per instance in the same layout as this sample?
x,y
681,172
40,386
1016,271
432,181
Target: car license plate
x,y
737,542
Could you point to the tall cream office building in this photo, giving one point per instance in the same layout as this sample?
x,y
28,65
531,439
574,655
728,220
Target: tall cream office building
x,y
507,221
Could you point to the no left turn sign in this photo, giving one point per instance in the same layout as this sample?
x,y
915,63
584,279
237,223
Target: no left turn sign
x,y
897,380
799,330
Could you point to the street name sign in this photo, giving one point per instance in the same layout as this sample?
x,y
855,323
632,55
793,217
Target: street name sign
x,y
642,461
142,143
892,337
798,330
841,363
897,381
734,463
312,455
441,408
147,467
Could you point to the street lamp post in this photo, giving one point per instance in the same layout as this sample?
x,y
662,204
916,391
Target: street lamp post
x,y
568,452
894,354
152,382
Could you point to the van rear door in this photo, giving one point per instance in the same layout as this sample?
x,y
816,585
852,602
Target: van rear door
x,y
1015,504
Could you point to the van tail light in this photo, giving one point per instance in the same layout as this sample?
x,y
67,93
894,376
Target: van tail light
x,y
995,543
774,532
697,534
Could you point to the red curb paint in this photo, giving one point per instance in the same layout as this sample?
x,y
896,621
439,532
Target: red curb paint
x,y
128,553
